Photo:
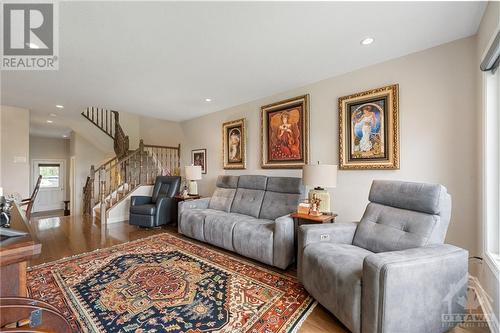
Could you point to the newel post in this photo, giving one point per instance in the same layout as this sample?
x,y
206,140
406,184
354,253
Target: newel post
x,y
178,171
141,162
92,190
103,202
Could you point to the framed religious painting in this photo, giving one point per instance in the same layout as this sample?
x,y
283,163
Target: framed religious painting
x,y
199,157
234,144
369,129
284,133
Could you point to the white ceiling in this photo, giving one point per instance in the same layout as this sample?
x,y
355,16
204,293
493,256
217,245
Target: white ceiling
x,y
162,59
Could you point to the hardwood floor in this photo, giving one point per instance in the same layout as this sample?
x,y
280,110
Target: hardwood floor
x,y
70,235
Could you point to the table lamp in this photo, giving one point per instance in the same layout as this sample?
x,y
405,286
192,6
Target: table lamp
x,y
320,176
193,173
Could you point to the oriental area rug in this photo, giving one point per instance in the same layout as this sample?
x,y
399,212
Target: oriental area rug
x,y
167,284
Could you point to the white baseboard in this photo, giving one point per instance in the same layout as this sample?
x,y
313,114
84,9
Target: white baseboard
x,y
484,301
117,219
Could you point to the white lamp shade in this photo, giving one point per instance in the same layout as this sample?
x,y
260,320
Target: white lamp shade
x,y
320,175
193,172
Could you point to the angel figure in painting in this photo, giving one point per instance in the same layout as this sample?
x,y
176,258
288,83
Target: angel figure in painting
x,y
287,144
366,119
234,146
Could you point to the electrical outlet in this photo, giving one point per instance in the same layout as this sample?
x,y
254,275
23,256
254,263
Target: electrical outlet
x,y
324,237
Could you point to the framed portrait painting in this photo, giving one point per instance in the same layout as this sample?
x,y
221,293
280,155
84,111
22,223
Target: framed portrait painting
x,y
199,157
284,133
234,144
369,129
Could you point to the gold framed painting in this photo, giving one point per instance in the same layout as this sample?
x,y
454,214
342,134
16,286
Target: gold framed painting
x,y
369,129
234,144
284,133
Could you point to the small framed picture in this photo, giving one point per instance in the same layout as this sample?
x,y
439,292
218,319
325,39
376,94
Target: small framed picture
x,y
199,157
369,129
234,144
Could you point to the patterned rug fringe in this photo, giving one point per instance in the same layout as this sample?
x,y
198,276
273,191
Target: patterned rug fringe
x,y
304,317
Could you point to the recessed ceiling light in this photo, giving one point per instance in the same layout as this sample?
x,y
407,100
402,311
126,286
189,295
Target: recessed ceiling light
x,y
208,99
50,121
52,114
65,136
33,46
59,106
367,41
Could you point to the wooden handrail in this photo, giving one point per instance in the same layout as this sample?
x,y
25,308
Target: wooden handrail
x,y
157,146
128,169
115,178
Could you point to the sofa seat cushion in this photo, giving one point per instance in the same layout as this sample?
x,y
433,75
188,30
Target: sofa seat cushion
x,y
332,275
193,220
253,238
218,230
143,209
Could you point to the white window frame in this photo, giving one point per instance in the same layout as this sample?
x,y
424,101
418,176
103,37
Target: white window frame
x,y
491,170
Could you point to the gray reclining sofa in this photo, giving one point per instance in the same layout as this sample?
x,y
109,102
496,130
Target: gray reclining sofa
x,y
391,272
248,215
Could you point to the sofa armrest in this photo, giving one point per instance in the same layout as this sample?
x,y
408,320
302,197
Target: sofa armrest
x,y
140,200
332,232
414,290
283,246
191,204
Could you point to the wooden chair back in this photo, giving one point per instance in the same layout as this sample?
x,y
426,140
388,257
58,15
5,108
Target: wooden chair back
x,y
20,314
31,200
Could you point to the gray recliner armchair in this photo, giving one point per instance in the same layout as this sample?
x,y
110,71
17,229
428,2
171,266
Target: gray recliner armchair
x,y
390,272
158,209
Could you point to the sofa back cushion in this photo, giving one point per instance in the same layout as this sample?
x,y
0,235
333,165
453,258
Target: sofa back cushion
x,y
227,181
282,197
222,199
249,195
403,215
223,196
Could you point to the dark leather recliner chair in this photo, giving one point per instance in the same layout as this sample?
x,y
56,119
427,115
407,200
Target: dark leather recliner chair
x,y
158,209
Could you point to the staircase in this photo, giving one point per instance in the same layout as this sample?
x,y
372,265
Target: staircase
x,y
113,181
108,121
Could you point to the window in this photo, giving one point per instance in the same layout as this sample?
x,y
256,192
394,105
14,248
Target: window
x,y
492,163
50,175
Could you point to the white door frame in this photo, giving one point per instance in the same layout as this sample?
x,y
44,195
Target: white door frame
x,y
62,183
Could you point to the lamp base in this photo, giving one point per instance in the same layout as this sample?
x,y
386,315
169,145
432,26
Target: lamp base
x,y
193,188
324,196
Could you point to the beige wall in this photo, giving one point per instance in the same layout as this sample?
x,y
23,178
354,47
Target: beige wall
x,y
438,132
160,132
15,150
50,149
130,125
86,154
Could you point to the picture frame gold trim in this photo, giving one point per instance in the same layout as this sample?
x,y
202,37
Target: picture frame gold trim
x,y
243,139
264,140
392,161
